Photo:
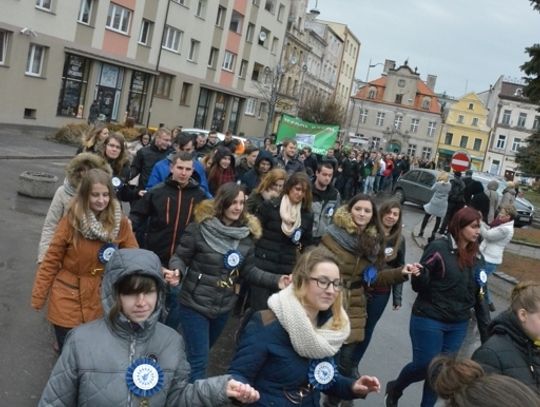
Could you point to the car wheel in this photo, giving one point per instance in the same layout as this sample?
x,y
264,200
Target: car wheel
x,y
399,195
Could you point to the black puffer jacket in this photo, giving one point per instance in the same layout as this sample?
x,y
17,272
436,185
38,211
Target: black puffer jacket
x,y
203,267
445,292
144,162
510,352
275,252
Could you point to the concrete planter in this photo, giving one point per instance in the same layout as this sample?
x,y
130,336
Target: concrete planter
x,y
37,184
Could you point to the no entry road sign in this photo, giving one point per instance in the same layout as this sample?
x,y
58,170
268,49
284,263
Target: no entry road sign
x,y
460,161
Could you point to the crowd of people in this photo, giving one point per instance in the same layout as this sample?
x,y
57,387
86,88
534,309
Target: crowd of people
x,y
297,245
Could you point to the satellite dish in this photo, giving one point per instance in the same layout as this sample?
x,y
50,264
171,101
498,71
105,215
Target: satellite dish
x,y
262,36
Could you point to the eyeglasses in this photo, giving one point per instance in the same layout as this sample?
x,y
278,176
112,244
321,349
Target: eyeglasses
x,y
324,283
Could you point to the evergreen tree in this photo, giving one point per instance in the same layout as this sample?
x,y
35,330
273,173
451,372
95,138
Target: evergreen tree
x,y
528,157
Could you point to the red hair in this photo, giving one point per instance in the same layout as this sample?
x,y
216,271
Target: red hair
x,y
460,220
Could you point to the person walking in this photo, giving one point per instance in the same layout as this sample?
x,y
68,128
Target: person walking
x,y
215,251
493,196
448,286
437,205
128,357
286,352
71,272
326,200
222,169
93,139
456,200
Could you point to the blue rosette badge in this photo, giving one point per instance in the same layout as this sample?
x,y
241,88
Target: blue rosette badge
x,y
322,373
330,211
232,259
144,377
296,236
370,274
106,251
481,278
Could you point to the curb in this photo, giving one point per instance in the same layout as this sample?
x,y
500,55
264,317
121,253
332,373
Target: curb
x,y
521,243
35,157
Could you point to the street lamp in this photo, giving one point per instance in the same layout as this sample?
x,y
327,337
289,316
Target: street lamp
x,y
371,66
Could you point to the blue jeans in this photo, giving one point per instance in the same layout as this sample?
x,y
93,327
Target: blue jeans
x,y
490,269
429,338
200,334
368,184
173,307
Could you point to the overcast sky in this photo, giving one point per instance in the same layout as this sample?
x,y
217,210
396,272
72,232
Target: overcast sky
x,y
468,44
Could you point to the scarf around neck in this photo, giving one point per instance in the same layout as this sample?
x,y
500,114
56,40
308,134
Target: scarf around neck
x,y
308,341
93,229
346,240
290,214
220,237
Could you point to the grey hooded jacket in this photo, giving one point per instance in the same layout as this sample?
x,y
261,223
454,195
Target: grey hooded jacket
x,y
91,370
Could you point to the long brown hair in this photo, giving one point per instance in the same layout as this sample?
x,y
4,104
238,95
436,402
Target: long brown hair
x,y
80,204
271,177
395,232
460,220
224,198
118,163
91,139
300,178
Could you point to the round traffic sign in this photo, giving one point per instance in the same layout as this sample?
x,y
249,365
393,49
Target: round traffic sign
x,y
460,161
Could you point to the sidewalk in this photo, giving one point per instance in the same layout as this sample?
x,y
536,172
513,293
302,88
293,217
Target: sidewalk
x,y
17,142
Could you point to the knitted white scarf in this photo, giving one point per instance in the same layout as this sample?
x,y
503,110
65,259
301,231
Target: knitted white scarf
x,y
308,341
290,215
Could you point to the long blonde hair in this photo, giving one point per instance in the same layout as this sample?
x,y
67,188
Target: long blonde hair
x,y
302,273
91,139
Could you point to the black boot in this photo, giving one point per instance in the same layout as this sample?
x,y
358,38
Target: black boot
x,y
391,397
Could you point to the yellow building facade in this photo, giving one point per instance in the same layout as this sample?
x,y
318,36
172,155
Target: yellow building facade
x,y
465,129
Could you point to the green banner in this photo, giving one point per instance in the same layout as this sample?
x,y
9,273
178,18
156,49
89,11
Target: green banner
x,y
320,137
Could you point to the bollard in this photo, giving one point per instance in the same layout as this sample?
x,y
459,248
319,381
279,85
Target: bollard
x,y
37,184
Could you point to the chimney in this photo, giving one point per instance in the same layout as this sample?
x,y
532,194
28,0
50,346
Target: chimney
x,y
388,65
430,82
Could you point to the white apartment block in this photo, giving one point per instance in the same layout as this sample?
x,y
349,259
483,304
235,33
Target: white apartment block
x,y
512,118
194,63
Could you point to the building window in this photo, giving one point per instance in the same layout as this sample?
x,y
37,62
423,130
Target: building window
x,y
397,121
220,19
270,5
380,119
372,93
516,144
236,22
74,83
185,95
36,57
461,119
522,119
471,106
201,9
281,13
431,128
376,143
171,39
257,72
363,115
506,117
137,95
249,32
85,11
118,18
44,4
264,37
228,61
146,32
414,125
426,103
163,86
194,50
448,138
399,98
212,59
411,150
464,141
251,106
275,42
501,142
475,121
536,123
108,91
202,109
426,153
243,68
262,110
233,117
477,144
3,47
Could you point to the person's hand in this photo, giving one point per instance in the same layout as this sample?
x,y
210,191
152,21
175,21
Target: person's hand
x,y
242,392
141,192
284,281
396,307
412,269
172,277
365,385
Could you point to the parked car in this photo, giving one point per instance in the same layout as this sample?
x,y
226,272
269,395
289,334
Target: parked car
x,y
415,186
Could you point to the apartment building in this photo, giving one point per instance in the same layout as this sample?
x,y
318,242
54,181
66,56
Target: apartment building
x,y
397,112
512,119
190,62
465,128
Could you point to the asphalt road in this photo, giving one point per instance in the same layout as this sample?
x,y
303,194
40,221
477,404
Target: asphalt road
x,y
26,339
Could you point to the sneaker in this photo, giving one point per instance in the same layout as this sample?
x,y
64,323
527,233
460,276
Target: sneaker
x,y
390,397
492,307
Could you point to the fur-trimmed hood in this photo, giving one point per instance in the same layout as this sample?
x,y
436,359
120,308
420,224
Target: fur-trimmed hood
x,y
205,210
343,219
84,161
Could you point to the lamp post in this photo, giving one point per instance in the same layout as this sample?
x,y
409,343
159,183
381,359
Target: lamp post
x,y
371,66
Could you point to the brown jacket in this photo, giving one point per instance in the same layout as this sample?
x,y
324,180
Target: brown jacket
x,y
70,276
351,266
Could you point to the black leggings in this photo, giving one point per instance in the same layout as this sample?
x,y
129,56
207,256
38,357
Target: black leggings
x,y
60,332
426,220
